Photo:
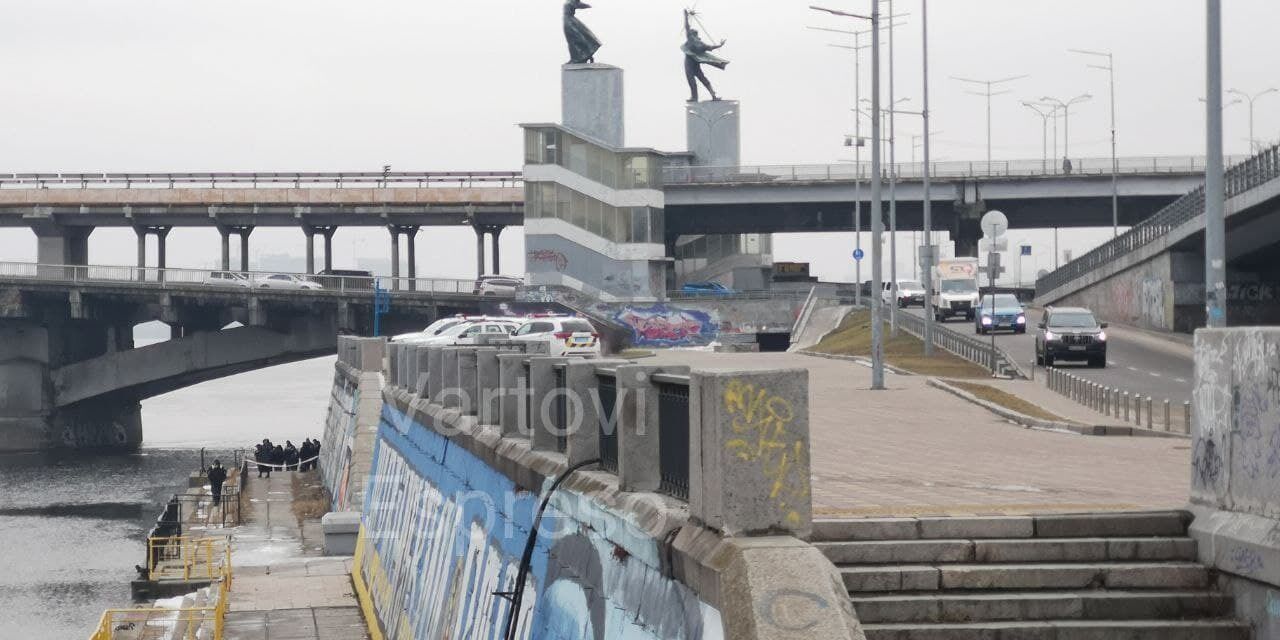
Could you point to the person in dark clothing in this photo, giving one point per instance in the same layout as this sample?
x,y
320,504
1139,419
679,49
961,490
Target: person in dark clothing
x,y
263,453
305,453
277,457
217,475
290,456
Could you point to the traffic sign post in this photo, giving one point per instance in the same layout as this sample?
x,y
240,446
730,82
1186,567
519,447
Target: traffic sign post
x,y
858,255
994,226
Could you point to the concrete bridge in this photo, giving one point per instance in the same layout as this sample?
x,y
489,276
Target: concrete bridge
x,y
1153,276
71,375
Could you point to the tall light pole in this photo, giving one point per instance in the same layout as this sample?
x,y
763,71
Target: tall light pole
x,y
988,93
877,224
1215,267
928,219
1110,68
893,195
1065,107
1253,142
1044,135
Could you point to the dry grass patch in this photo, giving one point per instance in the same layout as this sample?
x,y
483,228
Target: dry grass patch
x,y
853,338
310,498
1006,400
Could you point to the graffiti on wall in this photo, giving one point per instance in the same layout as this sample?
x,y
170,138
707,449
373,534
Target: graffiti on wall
x,y
762,423
339,439
548,256
443,531
664,326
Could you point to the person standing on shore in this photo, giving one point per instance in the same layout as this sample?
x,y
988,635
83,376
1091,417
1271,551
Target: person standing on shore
x,y
264,453
277,457
290,456
217,475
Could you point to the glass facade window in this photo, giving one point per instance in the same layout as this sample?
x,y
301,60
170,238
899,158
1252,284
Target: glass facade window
x,y
617,224
616,170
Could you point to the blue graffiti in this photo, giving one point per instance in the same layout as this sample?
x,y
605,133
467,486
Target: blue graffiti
x,y
664,326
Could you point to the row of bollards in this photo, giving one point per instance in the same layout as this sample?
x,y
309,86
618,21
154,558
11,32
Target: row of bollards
x,y
1113,402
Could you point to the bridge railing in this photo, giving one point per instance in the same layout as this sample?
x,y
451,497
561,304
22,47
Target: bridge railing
x,y
1241,177
911,170
322,179
218,280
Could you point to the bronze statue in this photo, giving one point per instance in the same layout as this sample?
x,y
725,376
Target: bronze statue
x,y
582,43
697,53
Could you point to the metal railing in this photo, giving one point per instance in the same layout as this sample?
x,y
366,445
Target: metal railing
x,y
254,179
673,434
1114,402
760,294
608,389
1248,174
205,622
677,175
188,558
219,280
971,348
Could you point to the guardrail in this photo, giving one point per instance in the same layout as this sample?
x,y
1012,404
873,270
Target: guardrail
x,y
970,348
1241,177
203,621
253,179
677,175
218,280
760,294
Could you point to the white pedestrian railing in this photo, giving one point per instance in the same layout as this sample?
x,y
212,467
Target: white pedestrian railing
x,y
245,179
219,280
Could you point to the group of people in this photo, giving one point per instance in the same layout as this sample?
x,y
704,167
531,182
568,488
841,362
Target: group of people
x,y
287,457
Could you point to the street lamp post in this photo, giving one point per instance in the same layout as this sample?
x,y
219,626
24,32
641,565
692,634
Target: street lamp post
x,y
1110,68
988,93
1253,142
928,219
1215,268
1044,132
877,224
1065,107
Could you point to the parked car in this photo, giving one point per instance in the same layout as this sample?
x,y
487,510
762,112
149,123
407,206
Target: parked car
x,y
345,279
563,335
1071,333
910,292
465,332
498,285
285,281
226,279
706,288
1000,311
435,328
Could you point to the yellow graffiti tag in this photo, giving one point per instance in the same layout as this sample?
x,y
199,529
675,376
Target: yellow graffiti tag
x,y
760,421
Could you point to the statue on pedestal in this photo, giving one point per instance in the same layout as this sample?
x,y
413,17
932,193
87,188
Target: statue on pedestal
x,y
583,44
697,53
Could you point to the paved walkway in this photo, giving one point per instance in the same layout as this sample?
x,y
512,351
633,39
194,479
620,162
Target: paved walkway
x,y
915,450
283,588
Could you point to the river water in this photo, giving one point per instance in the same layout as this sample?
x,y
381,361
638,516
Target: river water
x,y
72,524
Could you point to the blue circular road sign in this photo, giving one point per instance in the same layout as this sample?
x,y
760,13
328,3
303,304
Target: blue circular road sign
x,y
858,254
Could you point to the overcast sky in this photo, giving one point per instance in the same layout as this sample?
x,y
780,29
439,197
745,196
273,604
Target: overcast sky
x,y
161,85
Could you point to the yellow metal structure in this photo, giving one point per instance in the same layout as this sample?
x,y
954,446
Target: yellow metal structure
x,y
188,558
179,558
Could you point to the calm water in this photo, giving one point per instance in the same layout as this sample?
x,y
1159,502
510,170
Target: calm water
x,y
72,525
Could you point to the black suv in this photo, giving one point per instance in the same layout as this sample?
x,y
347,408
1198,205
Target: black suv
x,y
1071,333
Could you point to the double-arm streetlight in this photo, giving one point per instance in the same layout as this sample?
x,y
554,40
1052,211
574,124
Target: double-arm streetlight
x,y
1254,147
1065,107
1110,68
1045,111
877,224
988,92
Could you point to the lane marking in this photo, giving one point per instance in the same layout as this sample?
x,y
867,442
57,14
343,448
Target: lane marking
x,y
1179,380
1153,374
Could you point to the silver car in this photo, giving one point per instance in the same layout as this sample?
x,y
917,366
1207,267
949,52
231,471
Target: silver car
x,y
285,281
226,279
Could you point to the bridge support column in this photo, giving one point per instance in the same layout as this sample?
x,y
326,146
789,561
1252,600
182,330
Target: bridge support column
x,y
411,240
395,257
58,245
161,234
311,249
479,252
226,247
244,246
493,248
328,232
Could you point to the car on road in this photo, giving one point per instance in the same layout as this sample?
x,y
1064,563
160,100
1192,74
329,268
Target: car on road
x,y
466,332
345,279
1071,333
910,292
285,281
498,285
226,279
562,335
998,312
435,328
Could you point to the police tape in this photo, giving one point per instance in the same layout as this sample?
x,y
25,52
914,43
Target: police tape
x,y
282,466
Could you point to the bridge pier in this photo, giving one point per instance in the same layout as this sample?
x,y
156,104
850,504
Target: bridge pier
x,y
495,230
161,234
56,244
327,233
411,232
243,231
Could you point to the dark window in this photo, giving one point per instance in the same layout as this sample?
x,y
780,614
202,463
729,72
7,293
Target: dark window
x,y
578,326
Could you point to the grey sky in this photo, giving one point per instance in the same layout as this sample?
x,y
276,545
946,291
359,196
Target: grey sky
x,y
423,84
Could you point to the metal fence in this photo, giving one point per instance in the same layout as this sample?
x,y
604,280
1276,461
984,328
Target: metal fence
x,y
971,348
608,389
220,280
673,434
912,170
254,179
1242,177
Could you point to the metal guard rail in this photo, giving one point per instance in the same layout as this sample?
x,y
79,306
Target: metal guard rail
x,y
970,348
296,179
1242,177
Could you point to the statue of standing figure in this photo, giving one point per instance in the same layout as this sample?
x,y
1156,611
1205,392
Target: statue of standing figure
x,y
697,52
583,44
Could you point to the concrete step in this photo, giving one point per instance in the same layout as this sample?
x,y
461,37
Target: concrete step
x,y
1101,575
961,607
1008,550
1065,630
1091,525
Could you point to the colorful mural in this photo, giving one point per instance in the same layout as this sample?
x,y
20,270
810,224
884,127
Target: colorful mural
x,y
339,439
443,531
664,326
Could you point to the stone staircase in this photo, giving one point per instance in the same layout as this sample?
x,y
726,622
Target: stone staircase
x,y
1123,576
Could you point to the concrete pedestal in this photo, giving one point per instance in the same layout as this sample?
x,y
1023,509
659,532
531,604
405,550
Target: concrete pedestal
x,y
592,101
714,132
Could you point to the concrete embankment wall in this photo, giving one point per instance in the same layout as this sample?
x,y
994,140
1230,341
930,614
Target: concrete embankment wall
x,y
351,426
1235,476
459,470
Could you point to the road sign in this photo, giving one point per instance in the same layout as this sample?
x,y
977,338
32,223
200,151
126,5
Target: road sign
x,y
1026,249
987,245
994,224
858,254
